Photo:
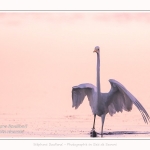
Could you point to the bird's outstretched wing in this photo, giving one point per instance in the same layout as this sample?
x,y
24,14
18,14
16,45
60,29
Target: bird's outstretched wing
x,y
119,99
79,92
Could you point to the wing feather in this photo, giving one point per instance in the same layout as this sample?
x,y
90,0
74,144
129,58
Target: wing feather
x,y
119,99
79,92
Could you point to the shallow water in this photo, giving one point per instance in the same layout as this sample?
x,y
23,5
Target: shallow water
x,y
72,126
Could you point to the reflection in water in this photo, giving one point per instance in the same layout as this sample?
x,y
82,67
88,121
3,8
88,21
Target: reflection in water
x,y
124,132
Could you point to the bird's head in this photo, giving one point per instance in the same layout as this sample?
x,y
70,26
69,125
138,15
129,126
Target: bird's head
x,y
97,49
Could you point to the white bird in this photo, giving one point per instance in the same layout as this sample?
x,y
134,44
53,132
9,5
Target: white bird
x,y
116,100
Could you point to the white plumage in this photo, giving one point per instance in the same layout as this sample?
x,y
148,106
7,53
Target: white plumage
x,y
116,100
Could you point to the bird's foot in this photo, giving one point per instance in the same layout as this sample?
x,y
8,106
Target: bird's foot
x,y
93,133
101,134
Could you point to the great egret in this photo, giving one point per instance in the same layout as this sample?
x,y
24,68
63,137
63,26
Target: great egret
x,y
116,100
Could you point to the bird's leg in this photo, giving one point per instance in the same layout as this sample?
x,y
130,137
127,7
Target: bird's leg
x,y
93,133
103,119
94,122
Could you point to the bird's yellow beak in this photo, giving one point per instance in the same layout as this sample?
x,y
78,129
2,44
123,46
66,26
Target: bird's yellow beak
x,y
95,51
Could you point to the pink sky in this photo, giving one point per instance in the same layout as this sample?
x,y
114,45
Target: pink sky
x,y
42,55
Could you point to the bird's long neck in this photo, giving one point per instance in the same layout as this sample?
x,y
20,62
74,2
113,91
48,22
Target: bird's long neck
x,y
100,106
98,78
